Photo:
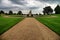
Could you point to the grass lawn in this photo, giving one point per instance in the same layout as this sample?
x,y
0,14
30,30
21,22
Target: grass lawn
x,y
51,21
7,23
15,15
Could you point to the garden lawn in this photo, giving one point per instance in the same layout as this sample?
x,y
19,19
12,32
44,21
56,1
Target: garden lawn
x,y
51,21
7,23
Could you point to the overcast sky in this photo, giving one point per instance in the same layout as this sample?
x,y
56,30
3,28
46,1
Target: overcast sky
x,y
25,5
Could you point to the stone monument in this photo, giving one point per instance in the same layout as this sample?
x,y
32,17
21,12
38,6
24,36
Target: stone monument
x,y
30,14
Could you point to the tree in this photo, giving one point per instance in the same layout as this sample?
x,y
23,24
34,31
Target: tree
x,y
14,14
6,13
36,14
10,12
47,10
44,12
19,13
57,9
40,14
1,12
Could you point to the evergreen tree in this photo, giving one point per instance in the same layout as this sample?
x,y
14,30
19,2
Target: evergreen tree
x,y
57,9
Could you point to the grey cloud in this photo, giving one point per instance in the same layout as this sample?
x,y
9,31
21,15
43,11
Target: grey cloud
x,y
49,1
33,7
7,7
2,7
21,2
11,8
0,1
24,7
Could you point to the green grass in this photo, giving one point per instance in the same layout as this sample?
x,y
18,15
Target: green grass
x,y
51,21
7,23
16,15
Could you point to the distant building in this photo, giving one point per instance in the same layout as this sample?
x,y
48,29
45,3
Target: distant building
x,y
30,14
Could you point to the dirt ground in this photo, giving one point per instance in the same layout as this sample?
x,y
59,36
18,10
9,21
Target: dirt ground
x,y
29,29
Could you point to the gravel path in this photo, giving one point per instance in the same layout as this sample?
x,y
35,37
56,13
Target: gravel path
x,y
29,29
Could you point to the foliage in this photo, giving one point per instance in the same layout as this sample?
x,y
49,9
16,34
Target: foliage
x,y
47,10
10,12
40,14
57,9
19,13
36,14
1,12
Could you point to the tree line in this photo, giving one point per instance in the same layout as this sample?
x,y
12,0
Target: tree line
x,y
48,10
11,13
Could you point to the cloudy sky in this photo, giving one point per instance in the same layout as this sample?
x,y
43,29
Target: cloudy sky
x,y
25,5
